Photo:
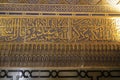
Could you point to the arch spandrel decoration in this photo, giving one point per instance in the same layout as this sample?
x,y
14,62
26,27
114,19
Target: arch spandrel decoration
x,y
59,39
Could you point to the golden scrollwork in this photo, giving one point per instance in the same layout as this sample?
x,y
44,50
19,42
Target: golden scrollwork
x,y
59,29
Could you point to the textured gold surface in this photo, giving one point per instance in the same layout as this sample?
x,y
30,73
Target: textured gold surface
x,y
82,36
51,34
60,41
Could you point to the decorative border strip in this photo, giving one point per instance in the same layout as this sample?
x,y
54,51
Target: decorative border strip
x,y
16,74
60,55
104,47
60,8
13,13
74,2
